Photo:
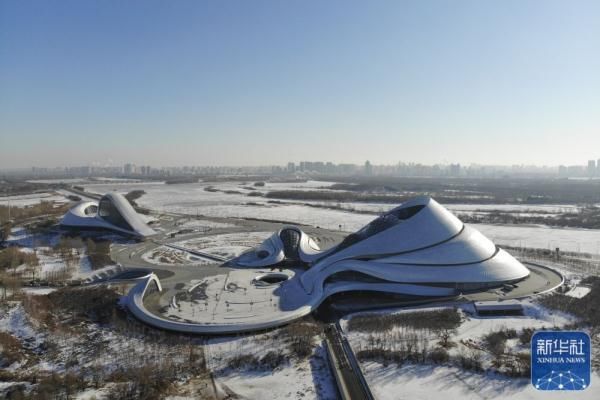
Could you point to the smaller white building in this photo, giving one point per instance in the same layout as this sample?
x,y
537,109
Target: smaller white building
x,y
113,212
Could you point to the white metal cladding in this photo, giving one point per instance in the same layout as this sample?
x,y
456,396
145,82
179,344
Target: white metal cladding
x,y
77,216
431,246
271,251
430,226
467,247
425,252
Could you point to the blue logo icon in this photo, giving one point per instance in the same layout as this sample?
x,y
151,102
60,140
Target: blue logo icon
x,y
560,360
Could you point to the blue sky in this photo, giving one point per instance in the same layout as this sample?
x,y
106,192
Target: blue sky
x,y
264,82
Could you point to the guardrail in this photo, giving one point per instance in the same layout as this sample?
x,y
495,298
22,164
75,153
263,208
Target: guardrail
x,y
349,378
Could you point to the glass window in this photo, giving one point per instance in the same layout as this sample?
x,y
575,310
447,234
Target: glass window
x,y
109,213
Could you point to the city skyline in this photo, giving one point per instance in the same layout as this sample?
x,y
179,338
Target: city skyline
x,y
261,83
590,169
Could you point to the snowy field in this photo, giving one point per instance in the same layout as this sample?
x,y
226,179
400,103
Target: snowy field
x,y
193,199
567,239
425,381
52,266
578,292
93,346
296,379
520,208
27,200
74,181
535,316
202,224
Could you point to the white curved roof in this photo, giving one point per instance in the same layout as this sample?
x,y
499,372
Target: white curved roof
x,y
467,247
128,213
419,242
78,217
79,210
272,250
430,226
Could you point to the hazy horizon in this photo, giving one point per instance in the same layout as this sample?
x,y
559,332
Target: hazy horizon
x,y
266,82
284,164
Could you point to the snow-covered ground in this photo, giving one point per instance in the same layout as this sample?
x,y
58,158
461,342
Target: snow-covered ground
x,y
193,199
567,239
535,316
520,208
417,381
88,346
202,224
83,180
426,382
68,193
13,320
295,379
26,200
578,292
52,266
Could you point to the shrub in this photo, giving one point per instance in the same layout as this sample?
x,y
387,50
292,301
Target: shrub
x,y
384,356
495,341
272,360
243,361
149,381
301,336
471,361
97,304
57,386
524,364
12,257
439,356
525,336
98,253
10,349
43,208
510,333
586,308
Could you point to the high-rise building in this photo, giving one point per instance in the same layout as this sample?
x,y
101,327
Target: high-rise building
x,y
563,171
454,169
129,169
591,167
368,168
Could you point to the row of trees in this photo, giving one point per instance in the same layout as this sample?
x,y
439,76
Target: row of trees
x,y
389,348
436,320
5,230
12,257
127,359
43,208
